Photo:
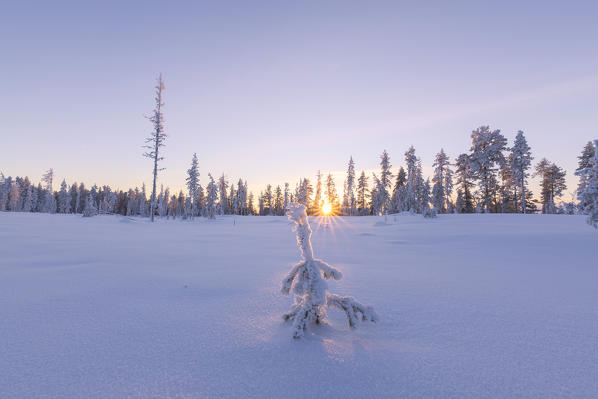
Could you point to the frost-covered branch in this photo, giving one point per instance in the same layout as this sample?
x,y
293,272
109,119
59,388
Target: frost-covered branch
x,y
307,280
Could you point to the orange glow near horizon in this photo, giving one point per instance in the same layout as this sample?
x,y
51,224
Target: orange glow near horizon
x,y
326,209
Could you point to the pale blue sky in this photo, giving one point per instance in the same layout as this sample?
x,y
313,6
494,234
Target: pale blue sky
x,y
271,91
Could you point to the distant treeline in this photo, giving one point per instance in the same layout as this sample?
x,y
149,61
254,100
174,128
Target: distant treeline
x,y
490,178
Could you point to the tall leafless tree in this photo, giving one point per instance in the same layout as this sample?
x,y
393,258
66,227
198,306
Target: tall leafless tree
x,y
156,140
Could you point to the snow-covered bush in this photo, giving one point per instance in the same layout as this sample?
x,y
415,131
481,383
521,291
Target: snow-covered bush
x,y
307,281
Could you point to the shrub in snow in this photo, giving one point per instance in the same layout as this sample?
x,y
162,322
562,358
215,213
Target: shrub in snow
x,y
307,281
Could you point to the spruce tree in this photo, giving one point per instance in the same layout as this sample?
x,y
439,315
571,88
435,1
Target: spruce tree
x,y
584,163
589,196
552,184
442,182
465,184
486,156
412,180
331,195
520,160
210,203
64,199
350,188
318,197
49,202
90,206
362,193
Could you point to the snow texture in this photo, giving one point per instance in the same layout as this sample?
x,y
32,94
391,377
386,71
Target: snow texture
x,y
474,306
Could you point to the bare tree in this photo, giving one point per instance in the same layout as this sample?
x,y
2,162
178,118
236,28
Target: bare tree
x,y
156,140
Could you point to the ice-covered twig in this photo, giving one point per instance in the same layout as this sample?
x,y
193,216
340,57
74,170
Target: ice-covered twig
x,y
355,311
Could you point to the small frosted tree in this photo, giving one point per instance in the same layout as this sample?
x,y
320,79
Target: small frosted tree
x,y
307,280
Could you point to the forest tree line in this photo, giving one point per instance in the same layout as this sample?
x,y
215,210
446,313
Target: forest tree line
x,y
491,178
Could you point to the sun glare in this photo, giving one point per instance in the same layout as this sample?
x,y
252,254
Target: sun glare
x,y
326,209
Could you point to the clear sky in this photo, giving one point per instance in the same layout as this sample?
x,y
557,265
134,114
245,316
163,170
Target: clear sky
x,y
271,91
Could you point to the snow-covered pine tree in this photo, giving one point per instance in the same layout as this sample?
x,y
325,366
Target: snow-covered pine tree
x,y
260,204
180,204
163,204
420,189
200,197
425,201
385,182
398,192
331,194
345,206
73,194
14,197
286,195
508,189
520,160
81,195
223,195
49,202
90,206
589,196
552,184
240,201
155,141
377,197
442,182
486,155
362,194
28,199
303,192
465,184
350,189
278,202
4,190
585,162
188,209
318,198
307,280
210,206
231,196
412,180
64,198
250,204
143,209
268,200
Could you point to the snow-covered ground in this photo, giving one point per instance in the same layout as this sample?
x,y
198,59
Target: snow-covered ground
x,y
471,306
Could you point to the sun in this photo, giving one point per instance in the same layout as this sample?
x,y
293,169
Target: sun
x,y
326,208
